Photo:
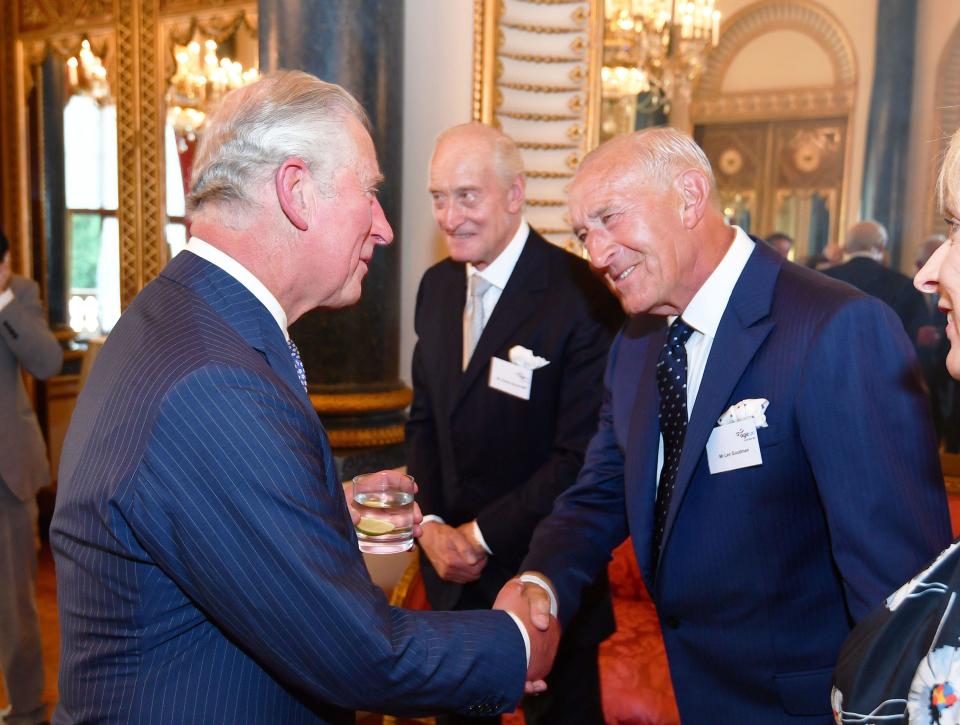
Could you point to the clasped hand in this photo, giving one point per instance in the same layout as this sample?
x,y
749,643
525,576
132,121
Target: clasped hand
x,y
531,604
453,552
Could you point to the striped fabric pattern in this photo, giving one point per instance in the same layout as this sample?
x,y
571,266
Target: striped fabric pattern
x,y
206,563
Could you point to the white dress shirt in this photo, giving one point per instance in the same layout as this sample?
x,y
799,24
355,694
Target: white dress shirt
x,y
6,297
703,315
243,275
497,273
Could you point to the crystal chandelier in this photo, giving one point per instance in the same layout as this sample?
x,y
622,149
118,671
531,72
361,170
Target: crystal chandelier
x,y
657,48
199,83
86,74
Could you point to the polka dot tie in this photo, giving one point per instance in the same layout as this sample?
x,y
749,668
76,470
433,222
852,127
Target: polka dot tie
x,y
672,383
297,362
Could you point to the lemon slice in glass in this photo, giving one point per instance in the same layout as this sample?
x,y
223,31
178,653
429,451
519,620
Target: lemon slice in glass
x,y
374,527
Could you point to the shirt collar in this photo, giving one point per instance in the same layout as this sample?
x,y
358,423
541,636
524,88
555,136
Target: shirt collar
x,y
499,270
708,304
244,276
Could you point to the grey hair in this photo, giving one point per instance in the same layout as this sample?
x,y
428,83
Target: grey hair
x,y
506,158
949,177
257,127
654,157
865,236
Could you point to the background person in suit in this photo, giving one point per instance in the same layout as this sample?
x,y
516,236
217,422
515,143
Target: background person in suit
x,y
758,571
781,242
863,267
207,565
490,461
26,343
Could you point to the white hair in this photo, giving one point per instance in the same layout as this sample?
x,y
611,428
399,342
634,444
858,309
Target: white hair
x,y
949,178
257,127
654,157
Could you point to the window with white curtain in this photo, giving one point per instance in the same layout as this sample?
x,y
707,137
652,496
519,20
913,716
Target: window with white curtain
x,y
90,155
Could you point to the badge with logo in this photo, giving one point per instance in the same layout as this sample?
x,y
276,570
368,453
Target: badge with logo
x,y
733,444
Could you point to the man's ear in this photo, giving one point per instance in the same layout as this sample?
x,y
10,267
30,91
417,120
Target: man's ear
x,y
694,189
516,194
291,178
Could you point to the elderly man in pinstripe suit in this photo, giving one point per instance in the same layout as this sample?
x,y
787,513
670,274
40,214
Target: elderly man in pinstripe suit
x,y
207,566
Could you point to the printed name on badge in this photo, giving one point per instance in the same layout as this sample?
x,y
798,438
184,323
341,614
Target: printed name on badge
x,y
510,379
733,446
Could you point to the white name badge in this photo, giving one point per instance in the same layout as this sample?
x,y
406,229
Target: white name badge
x,y
510,379
733,446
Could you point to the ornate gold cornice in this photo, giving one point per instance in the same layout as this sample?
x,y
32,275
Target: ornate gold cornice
x,y
804,16
63,16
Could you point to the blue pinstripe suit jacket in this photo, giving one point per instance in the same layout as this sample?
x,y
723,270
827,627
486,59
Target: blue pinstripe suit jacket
x,y
207,568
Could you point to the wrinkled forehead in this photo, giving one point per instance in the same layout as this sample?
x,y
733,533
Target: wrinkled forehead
x,y
456,163
596,188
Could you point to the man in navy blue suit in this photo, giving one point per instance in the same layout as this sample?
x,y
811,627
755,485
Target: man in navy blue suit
x,y
765,441
207,566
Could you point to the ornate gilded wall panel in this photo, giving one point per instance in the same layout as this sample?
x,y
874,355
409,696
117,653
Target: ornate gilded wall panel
x,y
51,16
11,217
535,62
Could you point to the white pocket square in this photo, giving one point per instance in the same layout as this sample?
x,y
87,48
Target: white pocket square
x,y
749,408
519,355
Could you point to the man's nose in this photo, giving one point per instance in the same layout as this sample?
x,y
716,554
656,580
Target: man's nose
x,y
600,249
380,230
452,216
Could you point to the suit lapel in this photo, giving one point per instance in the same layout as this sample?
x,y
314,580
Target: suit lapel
x,y
242,311
519,300
743,328
643,441
449,315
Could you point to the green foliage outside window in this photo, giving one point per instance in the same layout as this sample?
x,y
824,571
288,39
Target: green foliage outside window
x,y
85,252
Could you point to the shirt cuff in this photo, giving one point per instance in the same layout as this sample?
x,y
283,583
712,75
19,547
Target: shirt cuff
x,y
479,537
6,297
432,518
534,579
523,633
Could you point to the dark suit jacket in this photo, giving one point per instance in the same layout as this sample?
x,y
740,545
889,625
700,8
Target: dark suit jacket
x,y
207,568
25,343
480,453
763,570
895,289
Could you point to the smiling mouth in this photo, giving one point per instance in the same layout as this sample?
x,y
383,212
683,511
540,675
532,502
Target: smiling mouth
x,y
625,273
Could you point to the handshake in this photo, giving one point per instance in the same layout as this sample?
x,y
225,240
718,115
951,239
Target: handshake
x,y
530,605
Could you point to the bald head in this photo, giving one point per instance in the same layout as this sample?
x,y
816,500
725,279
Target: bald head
x,y
866,237
485,144
652,157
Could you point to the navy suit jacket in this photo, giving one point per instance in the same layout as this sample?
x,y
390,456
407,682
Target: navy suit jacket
x,y
763,570
207,567
479,453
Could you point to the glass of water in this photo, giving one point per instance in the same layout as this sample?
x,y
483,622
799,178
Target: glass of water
x,y
385,502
